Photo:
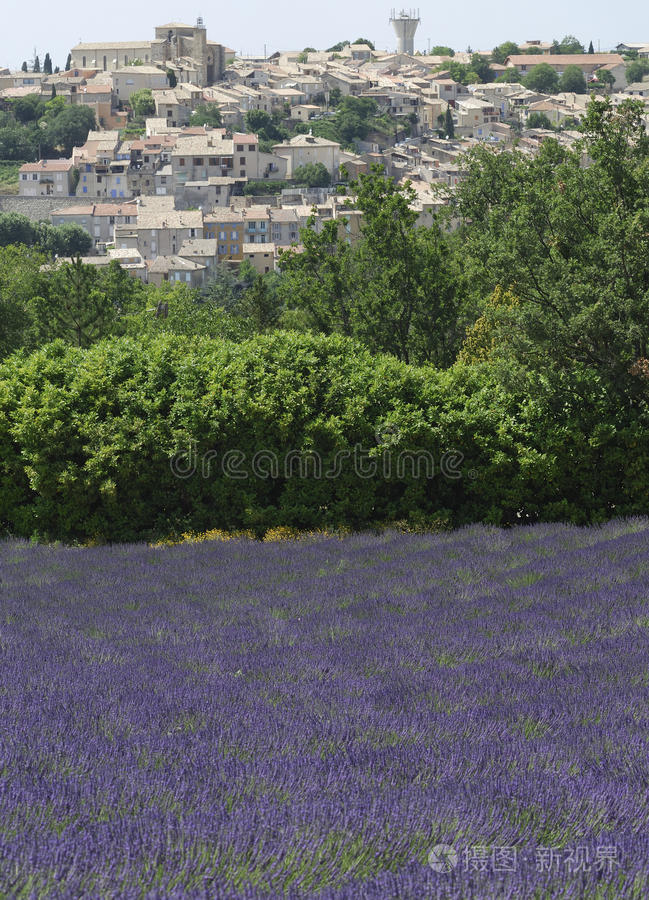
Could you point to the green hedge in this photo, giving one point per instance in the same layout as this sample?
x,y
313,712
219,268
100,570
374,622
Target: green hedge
x,y
87,438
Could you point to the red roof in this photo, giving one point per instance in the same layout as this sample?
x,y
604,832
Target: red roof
x,y
47,165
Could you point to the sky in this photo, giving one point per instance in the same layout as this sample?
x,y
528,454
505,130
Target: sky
x,y
284,25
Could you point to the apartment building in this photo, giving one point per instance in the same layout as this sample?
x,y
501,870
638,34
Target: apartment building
x,y
306,148
261,258
589,63
284,226
203,251
48,177
471,113
129,79
226,228
176,269
98,219
159,229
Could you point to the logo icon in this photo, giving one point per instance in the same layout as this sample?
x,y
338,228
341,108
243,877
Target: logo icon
x,y
387,435
442,858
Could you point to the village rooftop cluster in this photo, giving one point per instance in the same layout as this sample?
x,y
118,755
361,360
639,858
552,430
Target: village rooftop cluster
x,y
173,202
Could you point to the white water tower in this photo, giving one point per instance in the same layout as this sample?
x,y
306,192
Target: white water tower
x,y
405,25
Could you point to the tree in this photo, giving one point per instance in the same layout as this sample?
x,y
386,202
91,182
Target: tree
x,y
68,63
23,68
261,123
572,80
29,108
142,103
335,97
37,64
312,175
64,240
47,64
15,229
21,279
569,44
543,79
441,50
365,41
260,306
320,279
207,114
53,92
391,288
500,53
338,47
538,120
73,308
449,125
71,126
606,78
511,75
591,49
636,70
570,243
171,78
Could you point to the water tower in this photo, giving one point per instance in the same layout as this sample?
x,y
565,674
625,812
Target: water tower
x,y
405,25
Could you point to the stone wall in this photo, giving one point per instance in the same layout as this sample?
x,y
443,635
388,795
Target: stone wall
x,y
37,209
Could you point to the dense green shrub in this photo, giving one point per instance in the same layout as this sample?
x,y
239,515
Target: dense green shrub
x,y
87,438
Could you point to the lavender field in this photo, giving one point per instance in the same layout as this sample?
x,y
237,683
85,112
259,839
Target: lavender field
x,y
314,718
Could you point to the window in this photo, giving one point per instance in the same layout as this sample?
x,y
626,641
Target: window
x,y
213,161
104,63
181,161
118,180
234,248
242,160
125,59
192,232
85,190
239,148
35,177
223,248
111,220
198,160
98,179
252,148
242,173
127,220
262,238
262,226
234,236
83,61
24,177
